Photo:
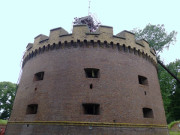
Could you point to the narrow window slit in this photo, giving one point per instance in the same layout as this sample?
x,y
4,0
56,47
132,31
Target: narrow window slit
x,y
91,86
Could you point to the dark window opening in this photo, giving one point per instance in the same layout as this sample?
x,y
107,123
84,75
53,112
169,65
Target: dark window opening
x,y
32,109
91,86
92,72
147,113
35,89
91,109
142,80
39,76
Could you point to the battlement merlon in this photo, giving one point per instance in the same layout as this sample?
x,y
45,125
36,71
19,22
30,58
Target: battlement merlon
x,y
82,32
39,38
55,33
29,46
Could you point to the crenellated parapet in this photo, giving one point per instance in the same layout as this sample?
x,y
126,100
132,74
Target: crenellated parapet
x,y
82,37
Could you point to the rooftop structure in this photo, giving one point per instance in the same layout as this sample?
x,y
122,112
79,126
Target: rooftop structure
x,y
90,21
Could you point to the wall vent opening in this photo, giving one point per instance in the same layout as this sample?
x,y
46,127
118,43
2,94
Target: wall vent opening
x,y
142,80
91,109
148,113
91,72
38,76
32,109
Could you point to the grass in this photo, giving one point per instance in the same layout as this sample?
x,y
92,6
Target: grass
x,y
174,133
3,122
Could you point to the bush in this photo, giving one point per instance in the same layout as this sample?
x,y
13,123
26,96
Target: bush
x,y
3,122
172,123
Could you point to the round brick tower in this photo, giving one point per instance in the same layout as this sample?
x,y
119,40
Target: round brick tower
x,y
88,83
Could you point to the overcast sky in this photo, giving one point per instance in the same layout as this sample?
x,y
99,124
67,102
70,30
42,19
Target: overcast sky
x,y
22,20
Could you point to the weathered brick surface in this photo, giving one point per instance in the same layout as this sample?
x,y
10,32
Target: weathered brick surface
x,y
65,88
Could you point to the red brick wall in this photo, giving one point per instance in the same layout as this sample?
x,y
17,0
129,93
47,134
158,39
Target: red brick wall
x,y
65,87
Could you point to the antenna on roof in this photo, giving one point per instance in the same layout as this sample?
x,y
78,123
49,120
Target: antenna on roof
x,y
89,7
89,20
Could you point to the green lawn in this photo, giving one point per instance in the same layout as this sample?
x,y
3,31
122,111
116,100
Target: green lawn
x,y
174,133
3,122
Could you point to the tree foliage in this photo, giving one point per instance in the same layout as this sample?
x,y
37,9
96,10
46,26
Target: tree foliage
x,y
170,90
175,104
175,96
156,36
7,95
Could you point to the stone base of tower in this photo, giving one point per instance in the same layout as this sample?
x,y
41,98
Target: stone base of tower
x,y
83,129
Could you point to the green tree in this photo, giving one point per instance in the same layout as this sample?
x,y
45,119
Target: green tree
x,y
174,106
166,84
156,36
7,95
169,89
